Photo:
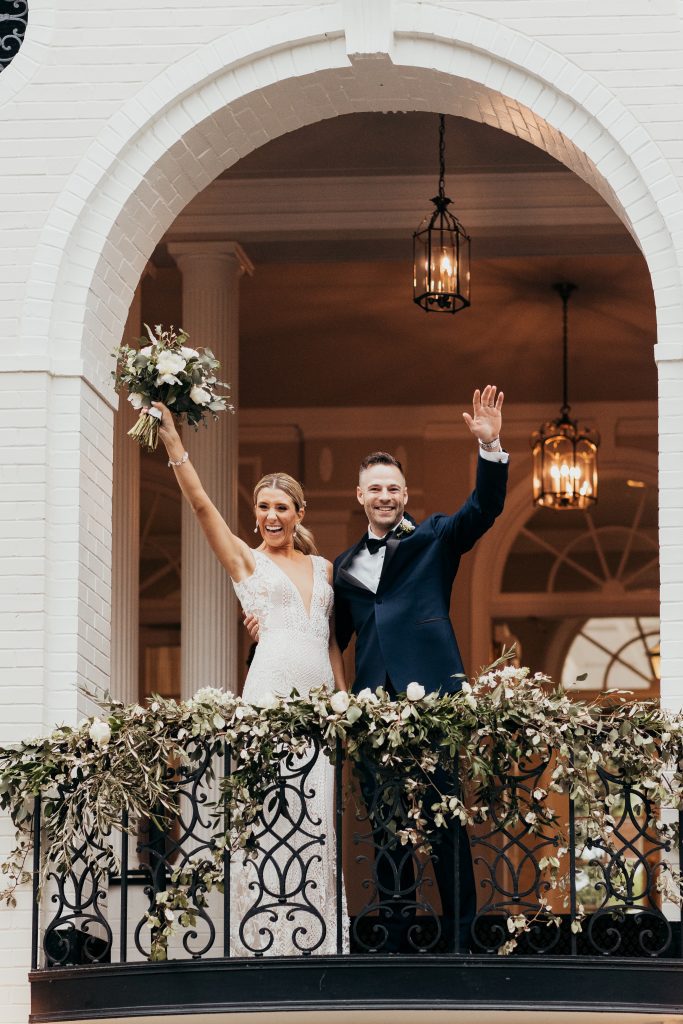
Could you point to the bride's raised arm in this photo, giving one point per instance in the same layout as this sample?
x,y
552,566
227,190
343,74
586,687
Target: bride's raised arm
x,y
233,554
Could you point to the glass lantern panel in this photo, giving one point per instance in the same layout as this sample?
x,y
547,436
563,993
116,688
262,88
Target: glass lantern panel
x,y
586,463
421,277
464,268
444,267
537,471
559,470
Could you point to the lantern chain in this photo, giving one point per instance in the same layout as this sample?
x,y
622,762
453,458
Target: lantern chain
x,y
442,156
564,290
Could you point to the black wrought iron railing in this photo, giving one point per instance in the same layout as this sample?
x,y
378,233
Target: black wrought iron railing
x,y
327,875
13,24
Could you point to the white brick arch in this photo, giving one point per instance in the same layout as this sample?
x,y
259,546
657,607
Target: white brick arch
x,y
227,98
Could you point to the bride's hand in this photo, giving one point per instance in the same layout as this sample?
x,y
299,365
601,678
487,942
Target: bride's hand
x,y
167,427
252,627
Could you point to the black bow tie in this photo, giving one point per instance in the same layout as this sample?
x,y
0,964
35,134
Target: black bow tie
x,y
374,545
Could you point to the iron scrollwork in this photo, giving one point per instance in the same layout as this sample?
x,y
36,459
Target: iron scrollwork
x,y
274,886
174,845
397,914
13,24
79,932
628,920
515,842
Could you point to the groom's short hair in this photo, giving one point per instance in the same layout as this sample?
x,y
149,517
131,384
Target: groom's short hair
x,y
380,459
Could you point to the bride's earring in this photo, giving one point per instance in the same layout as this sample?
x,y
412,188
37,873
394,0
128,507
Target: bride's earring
x,y
256,528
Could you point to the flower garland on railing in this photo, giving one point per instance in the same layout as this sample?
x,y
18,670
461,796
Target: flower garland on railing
x,y
119,761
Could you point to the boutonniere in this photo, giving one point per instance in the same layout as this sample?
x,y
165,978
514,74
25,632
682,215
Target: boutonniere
x,y
404,528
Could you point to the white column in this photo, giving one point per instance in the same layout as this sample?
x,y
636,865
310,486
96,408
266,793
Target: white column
x,y
669,359
126,538
209,618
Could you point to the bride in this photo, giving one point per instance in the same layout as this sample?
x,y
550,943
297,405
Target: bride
x,y
282,901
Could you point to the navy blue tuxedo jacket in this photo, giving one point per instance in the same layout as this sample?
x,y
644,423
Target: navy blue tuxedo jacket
x,y
404,630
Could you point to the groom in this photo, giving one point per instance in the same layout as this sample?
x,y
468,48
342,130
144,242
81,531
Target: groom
x,y
393,589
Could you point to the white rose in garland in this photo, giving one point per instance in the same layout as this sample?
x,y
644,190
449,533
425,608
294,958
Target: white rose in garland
x,y
339,702
266,701
100,732
415,691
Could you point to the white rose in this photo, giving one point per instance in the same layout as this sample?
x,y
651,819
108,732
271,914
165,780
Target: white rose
x,y
188,353
266,700
200,395
169,363
339,702
368,696
415,691
146,351
100,732
136,399
208,693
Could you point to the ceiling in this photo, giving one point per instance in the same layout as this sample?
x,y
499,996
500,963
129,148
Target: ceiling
x,y
379,144
327,213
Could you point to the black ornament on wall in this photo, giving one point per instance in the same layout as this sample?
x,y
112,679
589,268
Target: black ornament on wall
x,y
13,23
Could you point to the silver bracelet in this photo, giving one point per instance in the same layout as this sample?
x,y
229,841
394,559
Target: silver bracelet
x,y
184,457
488,446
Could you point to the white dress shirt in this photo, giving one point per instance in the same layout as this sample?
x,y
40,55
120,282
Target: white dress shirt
x,y
499,456
367,567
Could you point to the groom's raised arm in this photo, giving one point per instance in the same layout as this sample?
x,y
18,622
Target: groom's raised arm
x,y
464,528
477,515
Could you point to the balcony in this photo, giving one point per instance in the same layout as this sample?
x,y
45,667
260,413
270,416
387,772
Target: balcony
x,y
607,940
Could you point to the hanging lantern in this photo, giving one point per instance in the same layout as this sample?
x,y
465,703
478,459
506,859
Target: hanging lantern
x,y
565,456
441,252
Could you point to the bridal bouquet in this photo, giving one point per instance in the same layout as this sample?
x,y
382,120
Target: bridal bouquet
x,y
167,370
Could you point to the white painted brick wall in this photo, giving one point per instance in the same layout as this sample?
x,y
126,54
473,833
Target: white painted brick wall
x,y
105,133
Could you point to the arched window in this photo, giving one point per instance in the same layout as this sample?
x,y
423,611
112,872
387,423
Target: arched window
x,y
614,653
579,591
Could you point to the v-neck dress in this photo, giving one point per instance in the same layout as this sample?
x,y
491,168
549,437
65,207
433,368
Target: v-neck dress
x,y
293,648
283,899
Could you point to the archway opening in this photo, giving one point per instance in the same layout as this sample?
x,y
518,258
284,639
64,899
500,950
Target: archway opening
x,y
336,360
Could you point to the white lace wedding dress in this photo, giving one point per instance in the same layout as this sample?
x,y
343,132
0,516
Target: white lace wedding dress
x,y
283,901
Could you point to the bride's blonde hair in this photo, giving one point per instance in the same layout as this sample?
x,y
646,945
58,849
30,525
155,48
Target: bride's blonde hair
x,y
303,538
